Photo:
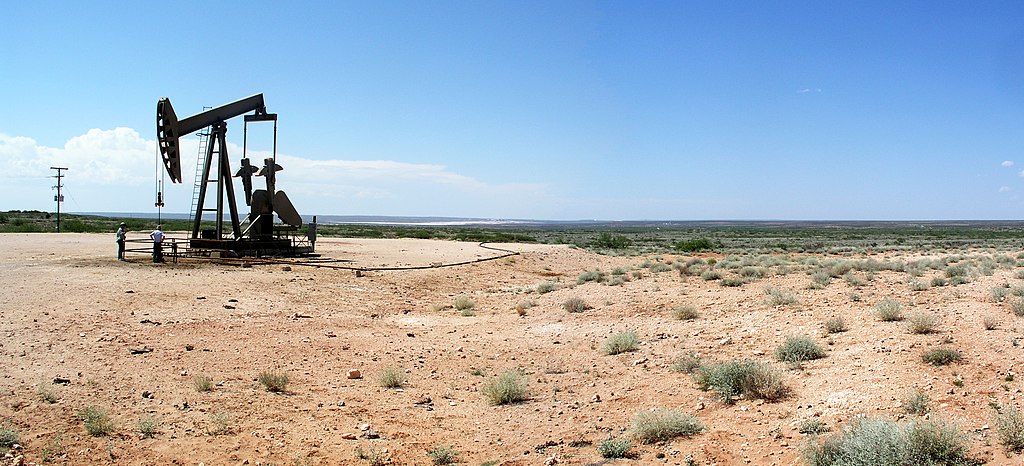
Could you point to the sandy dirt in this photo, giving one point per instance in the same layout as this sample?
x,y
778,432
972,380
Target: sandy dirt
x,y
73,315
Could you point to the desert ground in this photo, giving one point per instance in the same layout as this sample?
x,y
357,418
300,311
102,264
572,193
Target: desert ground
x,y
135,340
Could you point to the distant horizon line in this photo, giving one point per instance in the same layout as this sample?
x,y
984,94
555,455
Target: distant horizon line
x,y
419,219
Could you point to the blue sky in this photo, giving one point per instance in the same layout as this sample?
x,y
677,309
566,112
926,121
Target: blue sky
x,y
546,110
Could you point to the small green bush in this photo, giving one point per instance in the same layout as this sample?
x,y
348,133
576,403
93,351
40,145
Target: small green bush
x,y
750,379
941,356
687,364
97,421
595,276
463,302
615,448
221,423
695,245
916,403
999,293
202,383
922,322
685,312
149,426
710,275
391,377
732,282
622,342
443,455
813,426
8,437
1017,306
799,348
872,442
546,287
660,424
507,388
778,297
889,310
835,325
274,381
1010,428
575,304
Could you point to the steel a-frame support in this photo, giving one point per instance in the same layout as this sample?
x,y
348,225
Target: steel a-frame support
x,y
218,131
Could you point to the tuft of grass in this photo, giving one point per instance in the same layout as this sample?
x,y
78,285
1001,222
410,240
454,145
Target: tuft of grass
x,y
778,296
546,287
220,423
687,364
463,302
373,456
659,424
46,393
507,388
916,402
622,342
922,322
202,383
1010,428
615,448
710,275
733,281
467,312
685,312
274,381
889,310
391,377
575,304
799,348
999,293
97,421
443,455
835,325
871,442
750,379
595,276
941,356
813,426
53,448
148,426
990,322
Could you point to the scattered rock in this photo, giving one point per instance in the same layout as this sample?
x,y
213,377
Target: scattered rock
x,y
596,398
189,347
423,400
61,381
725,341
228,306
371,434
349,436
140,350
286,268
147,394
354,374
341,403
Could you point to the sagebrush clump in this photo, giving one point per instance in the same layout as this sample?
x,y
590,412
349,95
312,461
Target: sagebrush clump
x,y
274,381
575,304
622,342
799,348
660,424
872,442
889,310
749,379
507,388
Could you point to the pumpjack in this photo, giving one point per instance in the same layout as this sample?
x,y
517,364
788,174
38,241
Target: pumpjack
x,y
261,237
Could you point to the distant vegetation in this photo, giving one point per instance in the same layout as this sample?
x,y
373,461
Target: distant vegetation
x,y
636,238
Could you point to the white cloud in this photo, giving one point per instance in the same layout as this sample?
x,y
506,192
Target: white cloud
x,y
808,90
1007,163
114,170
1005,189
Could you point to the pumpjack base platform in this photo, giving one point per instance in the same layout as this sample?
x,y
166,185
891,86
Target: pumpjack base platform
x,y
273,247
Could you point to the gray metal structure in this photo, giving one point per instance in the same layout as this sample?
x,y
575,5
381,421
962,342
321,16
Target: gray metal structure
x,y
260,237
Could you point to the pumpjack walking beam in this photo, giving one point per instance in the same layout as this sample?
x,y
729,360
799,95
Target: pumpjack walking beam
x,y
169,129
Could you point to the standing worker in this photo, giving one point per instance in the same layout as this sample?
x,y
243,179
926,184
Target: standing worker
x,y
158,239
120,241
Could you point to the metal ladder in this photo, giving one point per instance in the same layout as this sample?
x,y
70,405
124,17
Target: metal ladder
x,y
204,141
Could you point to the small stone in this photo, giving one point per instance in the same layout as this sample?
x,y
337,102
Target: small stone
x,y
286,268
189,347
147,394
184,372
348,436
371,434
725,341
354,374
422,400
341,402
596,398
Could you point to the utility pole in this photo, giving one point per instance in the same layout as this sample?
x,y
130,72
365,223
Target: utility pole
x,y
58,198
